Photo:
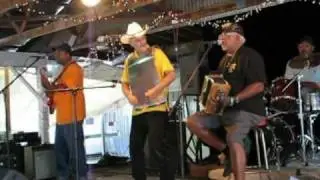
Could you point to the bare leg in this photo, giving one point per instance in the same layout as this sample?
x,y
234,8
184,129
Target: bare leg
x,y
238,159
237,152
195,126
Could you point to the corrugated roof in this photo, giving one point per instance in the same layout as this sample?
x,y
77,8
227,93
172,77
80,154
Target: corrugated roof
x,y
193,5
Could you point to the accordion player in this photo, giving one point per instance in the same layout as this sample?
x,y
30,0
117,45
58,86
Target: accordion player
x,y
214,89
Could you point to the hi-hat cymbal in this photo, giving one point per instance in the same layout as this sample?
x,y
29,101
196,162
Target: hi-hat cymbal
x,y
315,59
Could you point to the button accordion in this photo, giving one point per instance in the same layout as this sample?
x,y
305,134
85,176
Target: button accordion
x,y
215,88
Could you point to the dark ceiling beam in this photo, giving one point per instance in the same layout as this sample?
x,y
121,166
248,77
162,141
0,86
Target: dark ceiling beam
x,y
79,19
195,31
163,38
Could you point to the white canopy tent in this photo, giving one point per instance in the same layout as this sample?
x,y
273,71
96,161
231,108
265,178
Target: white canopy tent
x,y
25,106
26,101
102,137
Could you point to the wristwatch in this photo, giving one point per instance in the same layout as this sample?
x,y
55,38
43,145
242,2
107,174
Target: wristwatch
x,y
234,101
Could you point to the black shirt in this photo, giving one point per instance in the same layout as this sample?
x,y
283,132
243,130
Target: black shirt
x,y
244,68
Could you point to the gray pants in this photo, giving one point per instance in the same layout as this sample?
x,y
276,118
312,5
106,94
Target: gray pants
x,y
240,121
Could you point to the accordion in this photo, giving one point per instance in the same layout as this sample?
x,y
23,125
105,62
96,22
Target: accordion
x,y
215,88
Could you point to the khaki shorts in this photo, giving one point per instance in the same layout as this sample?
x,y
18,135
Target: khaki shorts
x,y
237,123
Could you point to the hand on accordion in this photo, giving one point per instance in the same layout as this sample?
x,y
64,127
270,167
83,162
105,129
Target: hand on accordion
x,y
226,101
153,93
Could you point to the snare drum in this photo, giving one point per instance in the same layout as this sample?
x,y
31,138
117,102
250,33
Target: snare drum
x,y
283,100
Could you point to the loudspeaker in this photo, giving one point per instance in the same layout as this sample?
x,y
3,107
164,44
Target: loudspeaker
x,y
187,64
40,162
8,174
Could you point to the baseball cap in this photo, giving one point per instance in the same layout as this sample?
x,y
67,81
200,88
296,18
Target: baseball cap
x,y
63,47
307,39
232,27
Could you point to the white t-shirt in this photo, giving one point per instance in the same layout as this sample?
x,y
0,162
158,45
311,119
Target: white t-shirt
x,y
309,74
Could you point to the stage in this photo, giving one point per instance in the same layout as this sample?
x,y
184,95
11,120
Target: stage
x,y
311,172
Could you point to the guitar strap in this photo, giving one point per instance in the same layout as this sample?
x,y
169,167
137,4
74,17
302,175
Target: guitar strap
x,y
63,71
50,101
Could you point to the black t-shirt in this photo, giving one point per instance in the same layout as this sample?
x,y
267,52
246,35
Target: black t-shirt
x,y
244,68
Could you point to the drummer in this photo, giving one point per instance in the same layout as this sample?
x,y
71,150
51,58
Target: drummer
x,y
306,59
302,61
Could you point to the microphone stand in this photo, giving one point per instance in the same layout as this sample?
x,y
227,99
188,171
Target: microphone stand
x,y
297,78
74,117
177,105
2,91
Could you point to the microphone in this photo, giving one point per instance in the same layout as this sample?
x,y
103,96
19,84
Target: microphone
x,y
214,42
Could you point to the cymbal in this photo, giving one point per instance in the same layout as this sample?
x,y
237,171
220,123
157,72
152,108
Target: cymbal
x,y
314,60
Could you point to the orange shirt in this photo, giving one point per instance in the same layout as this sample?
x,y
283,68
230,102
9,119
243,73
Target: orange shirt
x,y
72,77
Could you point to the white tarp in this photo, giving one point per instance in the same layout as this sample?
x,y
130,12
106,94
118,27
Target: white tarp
x,y
25,107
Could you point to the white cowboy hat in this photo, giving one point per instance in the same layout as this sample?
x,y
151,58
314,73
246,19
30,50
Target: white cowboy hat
x,y
134,30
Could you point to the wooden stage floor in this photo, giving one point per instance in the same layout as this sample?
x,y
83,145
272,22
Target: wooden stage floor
x,y
311,172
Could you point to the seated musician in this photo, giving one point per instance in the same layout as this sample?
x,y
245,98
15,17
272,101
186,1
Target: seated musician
x,y
305,60
296,64
244,69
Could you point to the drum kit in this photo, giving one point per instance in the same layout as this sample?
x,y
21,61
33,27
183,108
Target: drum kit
x,y
292,113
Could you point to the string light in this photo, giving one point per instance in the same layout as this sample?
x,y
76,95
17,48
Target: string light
x,y
241,17
24,7
112,45
172,16
158,20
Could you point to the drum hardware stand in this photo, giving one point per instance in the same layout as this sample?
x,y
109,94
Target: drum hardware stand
x,y
297,78
2,91
312,118
276,147
278,151
74,118
183,90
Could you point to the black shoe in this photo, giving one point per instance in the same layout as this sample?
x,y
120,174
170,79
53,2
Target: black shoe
x,y
227,163
227,166
210,160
